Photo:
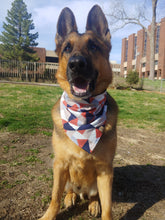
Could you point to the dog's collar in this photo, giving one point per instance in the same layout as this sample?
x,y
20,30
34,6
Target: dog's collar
x,y
84,120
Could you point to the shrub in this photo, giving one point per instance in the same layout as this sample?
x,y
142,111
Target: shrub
x,y
132,77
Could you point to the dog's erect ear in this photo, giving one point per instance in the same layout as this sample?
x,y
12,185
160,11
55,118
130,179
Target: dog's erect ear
x,y
97,23
65,25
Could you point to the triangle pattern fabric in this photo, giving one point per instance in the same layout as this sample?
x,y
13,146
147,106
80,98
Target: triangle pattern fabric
x,y
74,121
67,126
84,120
86,147
81,142
81,131
98,133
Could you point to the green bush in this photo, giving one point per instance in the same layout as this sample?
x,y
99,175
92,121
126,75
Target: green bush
x,y
132,77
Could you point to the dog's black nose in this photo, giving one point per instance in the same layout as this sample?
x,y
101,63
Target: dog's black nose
x,y
77,63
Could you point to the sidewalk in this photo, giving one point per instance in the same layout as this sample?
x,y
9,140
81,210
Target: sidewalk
x,y
30,83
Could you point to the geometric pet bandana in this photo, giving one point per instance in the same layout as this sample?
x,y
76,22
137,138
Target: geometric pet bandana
x,y
84,120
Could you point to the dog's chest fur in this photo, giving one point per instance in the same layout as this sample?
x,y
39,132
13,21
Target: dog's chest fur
x,y
82,177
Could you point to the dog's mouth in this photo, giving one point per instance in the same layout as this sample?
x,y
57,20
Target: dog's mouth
x,y
80,87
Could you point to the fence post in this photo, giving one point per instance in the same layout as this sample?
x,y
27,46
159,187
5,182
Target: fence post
x,y
35,78
19,70
26,73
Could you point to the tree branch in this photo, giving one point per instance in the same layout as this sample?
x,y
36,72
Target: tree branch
x,y
120,16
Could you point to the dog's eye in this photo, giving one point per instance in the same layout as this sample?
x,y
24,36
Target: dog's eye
x,y
68,48
92,46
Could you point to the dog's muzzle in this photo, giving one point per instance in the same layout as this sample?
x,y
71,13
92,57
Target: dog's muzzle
x,y
81,76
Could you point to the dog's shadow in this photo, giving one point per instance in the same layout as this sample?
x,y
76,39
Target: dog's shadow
x,y
140,185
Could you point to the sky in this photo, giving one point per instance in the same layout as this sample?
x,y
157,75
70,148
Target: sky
x,y
45,15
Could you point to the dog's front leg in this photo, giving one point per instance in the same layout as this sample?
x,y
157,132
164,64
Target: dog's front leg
x,y
60,177
104,183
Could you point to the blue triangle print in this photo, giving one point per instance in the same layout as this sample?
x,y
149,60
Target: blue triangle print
x,y
68,106
85,127
68,127
86,147
71,117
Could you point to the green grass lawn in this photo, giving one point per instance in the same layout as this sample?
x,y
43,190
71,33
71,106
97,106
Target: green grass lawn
x,y
27,109
140,109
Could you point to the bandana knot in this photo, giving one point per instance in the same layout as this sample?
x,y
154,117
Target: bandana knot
x,y
84,120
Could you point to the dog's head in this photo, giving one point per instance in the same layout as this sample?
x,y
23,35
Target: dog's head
x,y
84,68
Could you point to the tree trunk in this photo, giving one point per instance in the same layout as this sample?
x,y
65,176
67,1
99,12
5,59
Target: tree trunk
x,y
152,40
152,57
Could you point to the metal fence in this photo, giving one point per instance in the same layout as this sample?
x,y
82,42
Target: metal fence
x,y
28,71
143,84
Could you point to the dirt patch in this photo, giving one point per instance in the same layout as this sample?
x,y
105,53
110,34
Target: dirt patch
x,y
139,177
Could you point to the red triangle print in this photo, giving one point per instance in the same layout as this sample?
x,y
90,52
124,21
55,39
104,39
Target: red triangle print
x,y
83,114
91,99
81,142
83,105
98,133
65,103
63,121
74,121
74,107
81,131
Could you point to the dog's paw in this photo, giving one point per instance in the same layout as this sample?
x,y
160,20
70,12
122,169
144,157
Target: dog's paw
x,y
94,208
70,199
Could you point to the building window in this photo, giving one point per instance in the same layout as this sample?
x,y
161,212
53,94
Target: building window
x,y
135,47
156,62
157,39
145,44
155,74
52,59
143,64
126,50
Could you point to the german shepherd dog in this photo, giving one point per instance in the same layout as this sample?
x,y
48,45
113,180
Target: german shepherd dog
x,y
84,136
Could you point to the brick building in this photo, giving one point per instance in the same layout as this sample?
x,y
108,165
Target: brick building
x,y
136,52
115,67
46,55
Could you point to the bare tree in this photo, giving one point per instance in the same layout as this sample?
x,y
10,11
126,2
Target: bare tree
x,y
119,15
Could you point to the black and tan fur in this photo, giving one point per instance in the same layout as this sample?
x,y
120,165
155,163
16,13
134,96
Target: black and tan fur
x,y
83,58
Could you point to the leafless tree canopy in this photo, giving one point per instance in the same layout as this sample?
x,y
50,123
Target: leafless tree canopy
x,y
120,16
